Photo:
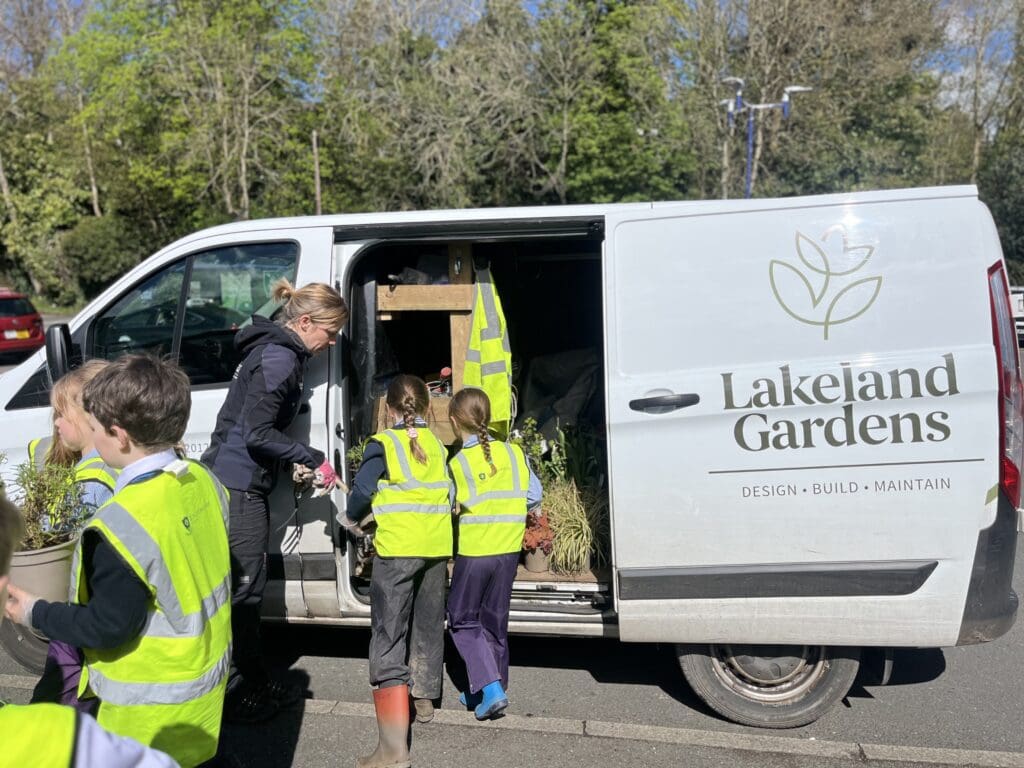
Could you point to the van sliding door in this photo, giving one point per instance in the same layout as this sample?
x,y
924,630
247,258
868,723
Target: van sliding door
x,y
802,417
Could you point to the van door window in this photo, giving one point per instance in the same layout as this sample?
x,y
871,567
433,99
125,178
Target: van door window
x,y
142,320
226,287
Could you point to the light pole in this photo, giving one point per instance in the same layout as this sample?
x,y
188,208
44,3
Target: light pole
x,y
736,105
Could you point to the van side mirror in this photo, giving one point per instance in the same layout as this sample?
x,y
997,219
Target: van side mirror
x,y
58,351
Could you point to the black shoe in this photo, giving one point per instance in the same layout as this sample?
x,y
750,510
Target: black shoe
x,y
249,705
284,694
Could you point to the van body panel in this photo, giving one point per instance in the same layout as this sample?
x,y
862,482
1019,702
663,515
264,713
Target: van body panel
x,y
841,418
827,474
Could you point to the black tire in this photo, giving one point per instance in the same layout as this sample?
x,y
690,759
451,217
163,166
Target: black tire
x,y
769,686
23,646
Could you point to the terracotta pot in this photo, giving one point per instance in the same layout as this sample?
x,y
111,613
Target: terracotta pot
x,y
536,561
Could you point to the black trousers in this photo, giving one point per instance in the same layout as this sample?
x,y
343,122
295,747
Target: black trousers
x,y
407,624
249,538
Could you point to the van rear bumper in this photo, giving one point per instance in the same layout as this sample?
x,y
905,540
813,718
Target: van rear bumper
x,y
991,606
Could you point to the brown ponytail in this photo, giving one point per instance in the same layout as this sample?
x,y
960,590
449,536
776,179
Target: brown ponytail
x,y
470,411
408,396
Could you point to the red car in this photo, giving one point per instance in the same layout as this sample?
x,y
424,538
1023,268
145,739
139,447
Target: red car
x,y
21,327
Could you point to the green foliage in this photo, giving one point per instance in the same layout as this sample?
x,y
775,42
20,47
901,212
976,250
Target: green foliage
x,y
51,503
139,122
1001,186
579,525
575,502
98,250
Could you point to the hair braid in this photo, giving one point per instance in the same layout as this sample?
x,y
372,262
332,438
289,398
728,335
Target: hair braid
x,y
409,419
485,443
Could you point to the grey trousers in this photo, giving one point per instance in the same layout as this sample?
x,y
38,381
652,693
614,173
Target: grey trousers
x,y
407,624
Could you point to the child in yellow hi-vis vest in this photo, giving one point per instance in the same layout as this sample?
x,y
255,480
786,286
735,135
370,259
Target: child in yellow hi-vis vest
x,y
151,577
494,487
51,734
71,445
404,479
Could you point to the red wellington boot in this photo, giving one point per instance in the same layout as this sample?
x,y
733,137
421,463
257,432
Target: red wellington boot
x,y
392,706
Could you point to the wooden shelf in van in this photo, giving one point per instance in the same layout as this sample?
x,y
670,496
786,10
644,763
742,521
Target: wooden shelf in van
x,y
437,298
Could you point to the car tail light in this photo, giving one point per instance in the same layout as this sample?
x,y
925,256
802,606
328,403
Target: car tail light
x,y
1011,391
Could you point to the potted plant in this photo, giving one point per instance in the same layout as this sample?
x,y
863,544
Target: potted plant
x,y
54,513
537,541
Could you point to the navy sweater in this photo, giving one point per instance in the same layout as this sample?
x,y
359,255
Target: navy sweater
x,y
248,442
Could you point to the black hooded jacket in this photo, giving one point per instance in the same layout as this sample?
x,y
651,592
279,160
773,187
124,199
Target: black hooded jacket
x,y
248,443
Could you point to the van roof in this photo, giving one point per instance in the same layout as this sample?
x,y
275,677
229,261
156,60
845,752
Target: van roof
x,y
573,211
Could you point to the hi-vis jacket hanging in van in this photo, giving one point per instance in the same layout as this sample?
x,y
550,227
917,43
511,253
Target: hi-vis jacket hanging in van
x,y
171,679
488,356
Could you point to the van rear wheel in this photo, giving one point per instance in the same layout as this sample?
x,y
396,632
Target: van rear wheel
x,y
24,646
769,686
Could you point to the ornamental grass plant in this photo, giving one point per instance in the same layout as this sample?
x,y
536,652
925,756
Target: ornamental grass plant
x,y
51,504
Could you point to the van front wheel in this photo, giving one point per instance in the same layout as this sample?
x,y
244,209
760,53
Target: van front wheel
x,y
769,686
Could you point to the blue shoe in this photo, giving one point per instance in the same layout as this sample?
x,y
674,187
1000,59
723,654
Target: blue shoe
x,y
494,701
470,700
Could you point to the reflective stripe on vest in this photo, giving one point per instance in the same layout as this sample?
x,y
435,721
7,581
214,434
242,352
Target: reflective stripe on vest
x,y
38,734
97,470
411,506
171,532
37,450
488,355
493,516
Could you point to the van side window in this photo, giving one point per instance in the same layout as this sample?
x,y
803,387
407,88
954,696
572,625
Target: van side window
x,y
143,319
193,308
34,393
226,287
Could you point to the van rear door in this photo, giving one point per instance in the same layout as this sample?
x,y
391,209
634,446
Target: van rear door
x,y
802,416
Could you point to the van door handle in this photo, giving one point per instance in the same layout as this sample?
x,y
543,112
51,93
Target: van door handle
x,y
664,403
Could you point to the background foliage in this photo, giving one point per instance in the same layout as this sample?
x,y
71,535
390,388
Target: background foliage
x,y
127,123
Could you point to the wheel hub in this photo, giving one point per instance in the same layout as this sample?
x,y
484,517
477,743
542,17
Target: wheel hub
x,y
769,674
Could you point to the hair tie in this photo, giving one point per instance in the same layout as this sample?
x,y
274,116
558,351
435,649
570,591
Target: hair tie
x,y
411,432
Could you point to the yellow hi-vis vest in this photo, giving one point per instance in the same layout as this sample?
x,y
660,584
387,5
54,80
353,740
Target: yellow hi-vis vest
x,y
166,687
411,506
98,470
493,517
488,355
37,451
37,734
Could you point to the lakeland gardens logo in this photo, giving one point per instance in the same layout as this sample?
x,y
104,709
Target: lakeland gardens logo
x,y
822,291
852,394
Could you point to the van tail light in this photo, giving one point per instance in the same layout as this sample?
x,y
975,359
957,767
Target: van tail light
x,y
1011,390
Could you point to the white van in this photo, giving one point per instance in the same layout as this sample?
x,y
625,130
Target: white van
x,y
812,410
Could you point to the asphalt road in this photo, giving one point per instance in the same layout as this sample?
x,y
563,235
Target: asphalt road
x,y
602,703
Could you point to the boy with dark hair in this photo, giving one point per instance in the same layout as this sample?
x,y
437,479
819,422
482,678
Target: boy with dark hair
x,y
150,582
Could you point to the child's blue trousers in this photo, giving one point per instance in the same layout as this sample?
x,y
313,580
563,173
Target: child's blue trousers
x,y
478,606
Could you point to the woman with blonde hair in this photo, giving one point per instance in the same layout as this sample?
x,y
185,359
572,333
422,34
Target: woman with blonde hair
x,y
246,448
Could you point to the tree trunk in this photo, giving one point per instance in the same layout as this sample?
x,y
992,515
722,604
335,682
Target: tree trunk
x,y
87,149
5,189
316,173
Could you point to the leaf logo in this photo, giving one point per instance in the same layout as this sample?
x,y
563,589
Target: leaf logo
x,y
807,292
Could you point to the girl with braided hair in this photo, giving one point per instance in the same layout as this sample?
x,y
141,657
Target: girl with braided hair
x,y
404,480
494,487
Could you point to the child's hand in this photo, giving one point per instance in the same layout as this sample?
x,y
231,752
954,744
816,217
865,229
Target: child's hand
x,y
19,605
